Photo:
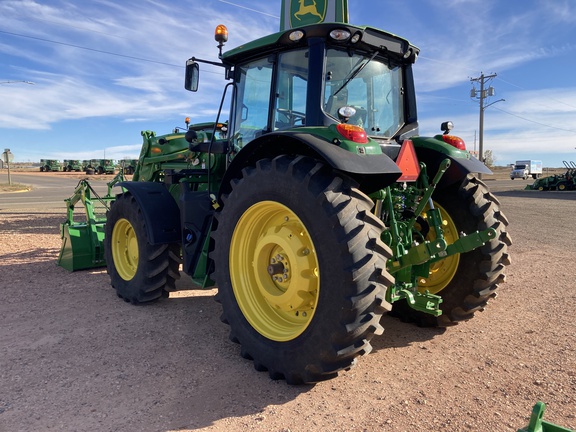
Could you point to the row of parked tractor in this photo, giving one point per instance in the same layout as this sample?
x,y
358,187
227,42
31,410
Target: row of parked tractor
x,y
92,166
559,182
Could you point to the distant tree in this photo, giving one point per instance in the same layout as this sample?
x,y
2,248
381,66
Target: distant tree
x,y
489,158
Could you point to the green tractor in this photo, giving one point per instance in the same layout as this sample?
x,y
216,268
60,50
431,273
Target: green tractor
x,y
72,165
312,204
560,182
128,166
87,166
103,166
50,165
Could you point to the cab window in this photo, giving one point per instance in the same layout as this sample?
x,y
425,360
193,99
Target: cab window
x,y
291,89
253,101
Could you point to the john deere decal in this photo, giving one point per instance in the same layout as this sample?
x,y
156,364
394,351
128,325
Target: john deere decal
x,y
298,13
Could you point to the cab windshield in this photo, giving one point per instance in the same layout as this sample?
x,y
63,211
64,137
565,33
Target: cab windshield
x,y
373,88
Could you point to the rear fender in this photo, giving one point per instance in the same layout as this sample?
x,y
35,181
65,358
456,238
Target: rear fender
x,y
159,209
371,171
432,152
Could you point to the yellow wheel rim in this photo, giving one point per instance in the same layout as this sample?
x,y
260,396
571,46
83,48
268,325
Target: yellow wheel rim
x,y
441,272
561,187
274,271
124,246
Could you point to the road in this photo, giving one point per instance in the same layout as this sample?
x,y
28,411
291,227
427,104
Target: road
x,y
48,190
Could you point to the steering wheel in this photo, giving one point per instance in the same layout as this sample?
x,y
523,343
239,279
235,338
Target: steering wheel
x,y
292,116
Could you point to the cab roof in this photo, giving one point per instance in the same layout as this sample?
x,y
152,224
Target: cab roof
x,y
370,39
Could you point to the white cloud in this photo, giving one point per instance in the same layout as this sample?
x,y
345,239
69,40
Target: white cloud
x,y
74,83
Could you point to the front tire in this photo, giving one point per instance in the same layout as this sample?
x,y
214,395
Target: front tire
x,y
464,281
300,269
139,271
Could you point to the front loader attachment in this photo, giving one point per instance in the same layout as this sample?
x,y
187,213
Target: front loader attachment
x,y
83,240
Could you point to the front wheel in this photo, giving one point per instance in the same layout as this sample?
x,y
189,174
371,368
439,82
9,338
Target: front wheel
x,y
464,281
139,271
300,269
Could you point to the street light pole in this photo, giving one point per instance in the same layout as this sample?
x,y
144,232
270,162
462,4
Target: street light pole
x,y
6,156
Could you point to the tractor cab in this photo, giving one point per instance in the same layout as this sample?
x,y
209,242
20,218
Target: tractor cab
x,y
349,86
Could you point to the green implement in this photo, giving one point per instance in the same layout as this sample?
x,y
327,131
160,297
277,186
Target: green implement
x,y
82,240
538,425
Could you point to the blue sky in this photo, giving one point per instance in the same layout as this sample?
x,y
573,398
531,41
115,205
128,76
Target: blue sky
x,y
104,70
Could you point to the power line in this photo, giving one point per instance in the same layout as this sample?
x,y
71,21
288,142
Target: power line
x,y
523,88
251,10
91,49
535,122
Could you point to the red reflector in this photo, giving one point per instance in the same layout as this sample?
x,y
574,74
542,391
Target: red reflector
x,y
454,141
352,133
407,161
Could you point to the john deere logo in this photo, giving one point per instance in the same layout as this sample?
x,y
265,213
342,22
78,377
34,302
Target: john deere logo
x,y
305,12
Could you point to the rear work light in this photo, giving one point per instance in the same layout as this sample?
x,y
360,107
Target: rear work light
x,y
352,133
454,141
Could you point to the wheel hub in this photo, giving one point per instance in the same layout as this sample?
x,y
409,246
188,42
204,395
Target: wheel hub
x,y
286,285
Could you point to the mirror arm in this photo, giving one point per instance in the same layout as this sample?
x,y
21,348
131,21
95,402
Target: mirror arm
x,y
196,60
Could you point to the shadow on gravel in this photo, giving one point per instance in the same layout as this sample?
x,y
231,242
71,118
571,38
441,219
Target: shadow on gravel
x,y
76,357
399,334
31,223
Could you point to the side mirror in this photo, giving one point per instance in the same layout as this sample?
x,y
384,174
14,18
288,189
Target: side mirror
x,y
192,75
191,136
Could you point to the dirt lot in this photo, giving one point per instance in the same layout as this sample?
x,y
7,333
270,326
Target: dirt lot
x,y
74,357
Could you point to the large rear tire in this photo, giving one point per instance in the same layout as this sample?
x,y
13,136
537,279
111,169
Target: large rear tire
x,y
300,268
464,281
139,271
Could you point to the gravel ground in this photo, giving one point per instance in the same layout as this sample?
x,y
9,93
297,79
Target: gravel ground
x,y
74,357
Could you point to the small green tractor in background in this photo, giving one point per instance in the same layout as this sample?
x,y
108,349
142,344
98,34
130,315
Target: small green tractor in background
x,y
103,166
72,165
312,204
559,182
87,166
50,165
128,166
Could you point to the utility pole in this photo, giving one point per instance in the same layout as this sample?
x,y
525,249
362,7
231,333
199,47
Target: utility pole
x,y
481,95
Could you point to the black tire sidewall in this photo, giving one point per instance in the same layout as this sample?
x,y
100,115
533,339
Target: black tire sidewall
x,y
136,289
326,331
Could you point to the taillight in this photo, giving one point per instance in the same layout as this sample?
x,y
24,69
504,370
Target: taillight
x,y
454,141
352,133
